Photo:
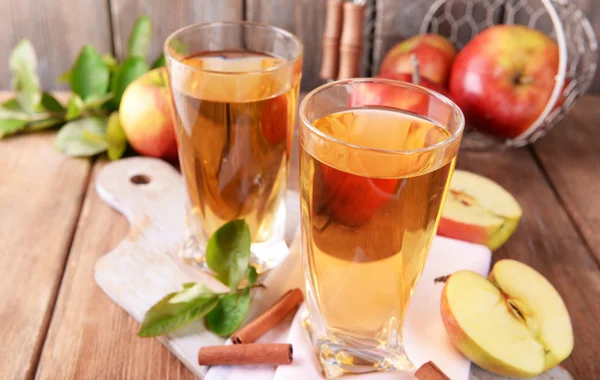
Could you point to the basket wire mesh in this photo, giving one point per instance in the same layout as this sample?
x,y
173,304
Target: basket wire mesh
x,y
461,20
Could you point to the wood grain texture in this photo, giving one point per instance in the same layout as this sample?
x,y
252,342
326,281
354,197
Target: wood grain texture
x,y
166,18
547,240
41,192
570,156
91,337
591,8
57,29
306,19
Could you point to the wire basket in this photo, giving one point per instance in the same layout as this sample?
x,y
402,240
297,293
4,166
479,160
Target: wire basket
x,y
461,20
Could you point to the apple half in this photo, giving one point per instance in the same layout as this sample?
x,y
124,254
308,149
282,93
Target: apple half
x,y
478,210
514,323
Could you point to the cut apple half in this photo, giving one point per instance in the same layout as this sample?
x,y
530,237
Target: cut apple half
x,y
478,210
514,323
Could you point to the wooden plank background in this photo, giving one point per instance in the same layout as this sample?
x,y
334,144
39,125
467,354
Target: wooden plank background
x,y
58,29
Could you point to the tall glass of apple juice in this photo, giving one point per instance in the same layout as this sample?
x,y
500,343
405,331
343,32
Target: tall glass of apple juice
x,y
234,88
376,161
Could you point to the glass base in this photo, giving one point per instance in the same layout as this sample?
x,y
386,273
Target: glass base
x,y
342,355
264,256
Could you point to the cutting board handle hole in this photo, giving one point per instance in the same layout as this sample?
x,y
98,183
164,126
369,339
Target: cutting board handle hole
x,y
140,179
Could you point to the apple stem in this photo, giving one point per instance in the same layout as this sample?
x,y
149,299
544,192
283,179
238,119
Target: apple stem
x,y
522,80
416,75
441,279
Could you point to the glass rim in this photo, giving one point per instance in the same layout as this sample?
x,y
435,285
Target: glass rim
x,y
454,109
284,32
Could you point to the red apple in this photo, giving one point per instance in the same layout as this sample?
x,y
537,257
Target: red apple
x,y
355,199
503,79
422,81
275,119
386,95
434,52
146,115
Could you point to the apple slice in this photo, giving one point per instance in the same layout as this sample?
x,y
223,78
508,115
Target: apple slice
x,y
478,210
514,323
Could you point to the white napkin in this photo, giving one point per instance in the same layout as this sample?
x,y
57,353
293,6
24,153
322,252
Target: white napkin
x,y
424,335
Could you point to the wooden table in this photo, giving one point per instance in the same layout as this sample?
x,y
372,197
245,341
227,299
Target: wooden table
x,y
55,323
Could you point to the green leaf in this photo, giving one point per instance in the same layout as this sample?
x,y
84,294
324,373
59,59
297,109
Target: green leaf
x,y
110,61
188,285
25,82
229,313
93,137
160,62
252,275
97,101
140,37
11,126
7,113
83,137
64,77
51,104
228,252
176,310
89,76
75,107
117,141
131,69
12,104
44,124
179,46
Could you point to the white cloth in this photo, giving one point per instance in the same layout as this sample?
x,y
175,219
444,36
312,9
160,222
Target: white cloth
x,y
424,335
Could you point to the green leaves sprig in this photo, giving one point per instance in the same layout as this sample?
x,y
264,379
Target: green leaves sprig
x,y
228,256
97,82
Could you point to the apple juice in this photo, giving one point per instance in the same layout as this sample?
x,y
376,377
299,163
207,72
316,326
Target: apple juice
x,y
369,216
234,125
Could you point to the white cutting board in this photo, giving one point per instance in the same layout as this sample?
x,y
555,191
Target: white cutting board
x,y
145,266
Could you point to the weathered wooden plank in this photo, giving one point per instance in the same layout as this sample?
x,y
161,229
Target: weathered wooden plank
x,y
57,29
41,192
570,155
91,337
547,240
306,19
166,18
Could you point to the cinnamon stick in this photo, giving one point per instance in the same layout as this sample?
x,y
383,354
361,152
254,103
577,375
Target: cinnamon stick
x,y
288,303
331,40
351,42
429,371
271,353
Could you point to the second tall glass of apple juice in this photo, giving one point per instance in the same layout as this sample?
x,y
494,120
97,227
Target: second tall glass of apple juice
x,y
373,181
235,92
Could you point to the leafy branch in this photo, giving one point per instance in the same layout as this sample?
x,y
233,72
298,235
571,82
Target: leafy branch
x,y
89,123
228,256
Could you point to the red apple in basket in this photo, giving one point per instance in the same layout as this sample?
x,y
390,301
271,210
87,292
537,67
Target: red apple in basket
x,y
381,94
503,79
415,79
434,52
146,115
